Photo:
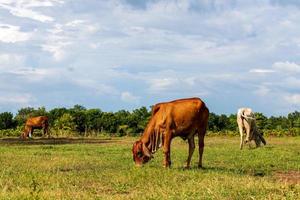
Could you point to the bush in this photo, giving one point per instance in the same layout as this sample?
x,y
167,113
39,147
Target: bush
x,y
6,120
16,132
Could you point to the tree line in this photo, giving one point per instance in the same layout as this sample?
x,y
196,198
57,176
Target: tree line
x,y
83,121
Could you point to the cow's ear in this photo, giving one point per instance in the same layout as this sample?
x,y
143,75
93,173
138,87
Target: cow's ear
x,y
146,151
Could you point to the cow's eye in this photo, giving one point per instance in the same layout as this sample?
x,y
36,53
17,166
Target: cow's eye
x,y
140,154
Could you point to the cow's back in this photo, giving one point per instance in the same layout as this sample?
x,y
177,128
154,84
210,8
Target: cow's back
x,y
37,121
246,118
183,115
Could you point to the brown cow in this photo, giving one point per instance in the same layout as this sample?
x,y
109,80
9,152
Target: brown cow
x,y
40,122
183,118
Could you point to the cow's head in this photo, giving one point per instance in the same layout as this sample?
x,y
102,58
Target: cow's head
x,y
23,135
141,153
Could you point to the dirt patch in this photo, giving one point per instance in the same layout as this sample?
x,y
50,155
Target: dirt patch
x,y
53,141
290,177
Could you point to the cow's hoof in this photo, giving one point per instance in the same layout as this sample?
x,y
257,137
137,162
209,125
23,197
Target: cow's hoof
x,y
200,167
186,167
167,165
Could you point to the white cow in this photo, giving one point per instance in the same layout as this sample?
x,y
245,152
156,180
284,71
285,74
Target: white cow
x,y
246,122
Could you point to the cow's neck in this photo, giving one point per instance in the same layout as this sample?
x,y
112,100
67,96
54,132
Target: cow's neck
x,y
151,137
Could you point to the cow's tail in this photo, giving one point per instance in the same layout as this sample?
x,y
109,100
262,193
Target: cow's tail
x,y
204,112
247,117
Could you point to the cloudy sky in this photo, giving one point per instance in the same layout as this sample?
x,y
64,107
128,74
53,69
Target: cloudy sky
x,y
124,54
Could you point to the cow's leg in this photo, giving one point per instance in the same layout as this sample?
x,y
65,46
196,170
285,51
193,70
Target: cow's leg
x,y
167,149
25,133
201,146
248,131
191,151
30,132
162,139
241,130
262,138
46,129
257,139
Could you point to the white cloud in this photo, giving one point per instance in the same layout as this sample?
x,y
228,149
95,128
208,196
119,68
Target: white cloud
x,y
9,61
75,23
56,42
262,91
22,9
95,86
12,34
36,74
160,84
24,99
63,37
56,49
292,82
129,98
288,67
262,71
293,99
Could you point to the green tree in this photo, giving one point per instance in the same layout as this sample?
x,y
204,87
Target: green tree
x,y
138,119
41,111
223,122
93,119
6,120
56,113
23,114
261,120
79,114
293,119
212,122
232,124
122,116
110,122
65,122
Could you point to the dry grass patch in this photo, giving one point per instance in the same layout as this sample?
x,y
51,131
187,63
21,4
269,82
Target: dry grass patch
x,y
289,177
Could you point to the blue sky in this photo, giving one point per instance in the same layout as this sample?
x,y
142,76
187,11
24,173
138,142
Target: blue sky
x,y
124,54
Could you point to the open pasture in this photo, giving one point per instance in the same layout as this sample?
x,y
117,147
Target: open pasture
x,y
102,168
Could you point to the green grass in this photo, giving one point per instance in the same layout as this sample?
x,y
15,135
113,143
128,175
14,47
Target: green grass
x,y
106,171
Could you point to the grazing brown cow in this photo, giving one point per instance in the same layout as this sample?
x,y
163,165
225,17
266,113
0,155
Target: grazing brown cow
x,y
40,122
183,118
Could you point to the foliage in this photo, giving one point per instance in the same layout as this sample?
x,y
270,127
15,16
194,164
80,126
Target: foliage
x,y
6,120
25,113
56,113
65,122
83,121
15,132
78,113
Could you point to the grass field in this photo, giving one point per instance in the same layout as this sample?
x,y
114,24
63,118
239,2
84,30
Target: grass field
x,y
104,169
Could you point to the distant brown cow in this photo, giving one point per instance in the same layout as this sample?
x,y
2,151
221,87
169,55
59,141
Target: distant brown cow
x,y
40,122
183,118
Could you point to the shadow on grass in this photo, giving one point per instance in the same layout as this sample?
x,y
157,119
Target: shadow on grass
x,y
209,169
54,141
